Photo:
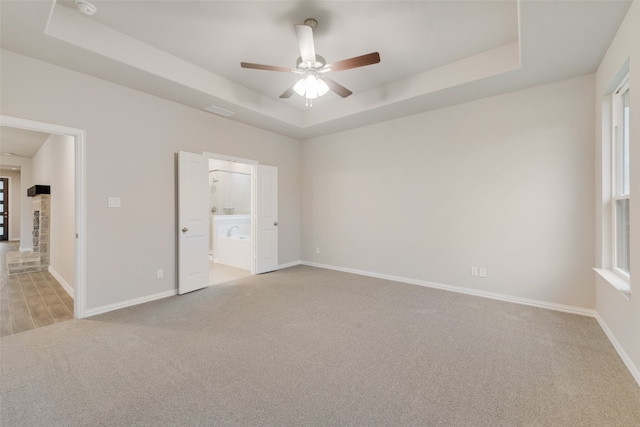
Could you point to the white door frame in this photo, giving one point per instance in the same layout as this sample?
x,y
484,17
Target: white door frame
x,y
254,170
79,136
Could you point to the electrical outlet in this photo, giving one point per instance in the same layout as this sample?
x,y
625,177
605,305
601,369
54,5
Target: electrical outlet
x,y
474,271
159,273
317,250
482,272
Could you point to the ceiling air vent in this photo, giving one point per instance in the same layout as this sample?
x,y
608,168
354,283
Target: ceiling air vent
x,y
219,111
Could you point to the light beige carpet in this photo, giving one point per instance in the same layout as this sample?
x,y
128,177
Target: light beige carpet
x,y
306,346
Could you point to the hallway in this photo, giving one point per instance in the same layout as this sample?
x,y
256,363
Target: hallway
x,y
30,300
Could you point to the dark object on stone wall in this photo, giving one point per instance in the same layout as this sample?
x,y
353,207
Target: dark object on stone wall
x,y
38,189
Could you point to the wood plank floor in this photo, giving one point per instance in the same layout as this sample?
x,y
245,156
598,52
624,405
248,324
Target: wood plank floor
x,y
30,300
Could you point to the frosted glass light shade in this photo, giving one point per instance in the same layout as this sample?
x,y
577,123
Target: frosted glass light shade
x,y
322,87
300,87
311,87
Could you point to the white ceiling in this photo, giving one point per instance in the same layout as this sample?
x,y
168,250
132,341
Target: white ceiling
x,y
19,142
433,53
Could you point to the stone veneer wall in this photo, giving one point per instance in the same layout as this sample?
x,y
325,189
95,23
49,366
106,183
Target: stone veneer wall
x,y
42,204
38,259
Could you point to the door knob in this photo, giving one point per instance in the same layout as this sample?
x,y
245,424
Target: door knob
x,y
275,223
185,229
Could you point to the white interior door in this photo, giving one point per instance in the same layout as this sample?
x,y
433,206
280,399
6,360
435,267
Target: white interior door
x,y
193,222
267,219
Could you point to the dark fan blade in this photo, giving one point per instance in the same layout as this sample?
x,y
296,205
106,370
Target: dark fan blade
x,y
265,67
304,33
287,93
337,87
358,61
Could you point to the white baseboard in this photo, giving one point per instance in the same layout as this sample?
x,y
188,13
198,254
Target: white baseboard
x,y
66,286
289,264
111,307
635,372
142,300
485,294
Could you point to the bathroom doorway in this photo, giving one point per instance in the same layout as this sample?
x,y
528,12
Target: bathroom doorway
x,y
230,224
195,218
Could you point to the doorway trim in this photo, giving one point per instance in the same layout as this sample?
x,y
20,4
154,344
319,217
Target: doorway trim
x,y
79,136
254,171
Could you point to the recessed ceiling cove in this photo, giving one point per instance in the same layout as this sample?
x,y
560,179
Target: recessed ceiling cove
x,y
313,69
432,53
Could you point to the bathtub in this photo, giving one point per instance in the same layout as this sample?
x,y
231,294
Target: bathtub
x,y
234,251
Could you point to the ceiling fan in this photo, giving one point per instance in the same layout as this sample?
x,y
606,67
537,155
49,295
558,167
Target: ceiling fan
x,y
313,68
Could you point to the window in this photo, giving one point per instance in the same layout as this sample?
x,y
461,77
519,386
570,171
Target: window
x,y
620,178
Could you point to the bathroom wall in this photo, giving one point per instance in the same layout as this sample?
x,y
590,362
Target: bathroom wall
x,y
229,187
229,192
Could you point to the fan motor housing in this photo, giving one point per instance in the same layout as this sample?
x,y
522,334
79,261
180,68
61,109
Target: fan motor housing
x,y
310,22
320,62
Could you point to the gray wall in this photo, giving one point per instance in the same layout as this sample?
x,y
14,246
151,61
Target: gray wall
x,y
53,165
504,183
620,314
131,141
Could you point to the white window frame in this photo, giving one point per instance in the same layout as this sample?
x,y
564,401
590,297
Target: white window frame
x,y
618,157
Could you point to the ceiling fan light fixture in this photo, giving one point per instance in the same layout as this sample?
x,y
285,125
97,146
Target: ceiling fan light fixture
x,y
311,87
310,22
323,88
311,66
311,84
300,87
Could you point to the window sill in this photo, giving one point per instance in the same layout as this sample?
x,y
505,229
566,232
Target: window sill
x,y
617,281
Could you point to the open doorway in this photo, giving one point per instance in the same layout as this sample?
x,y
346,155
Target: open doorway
x,y
68,267
230,224
195,215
